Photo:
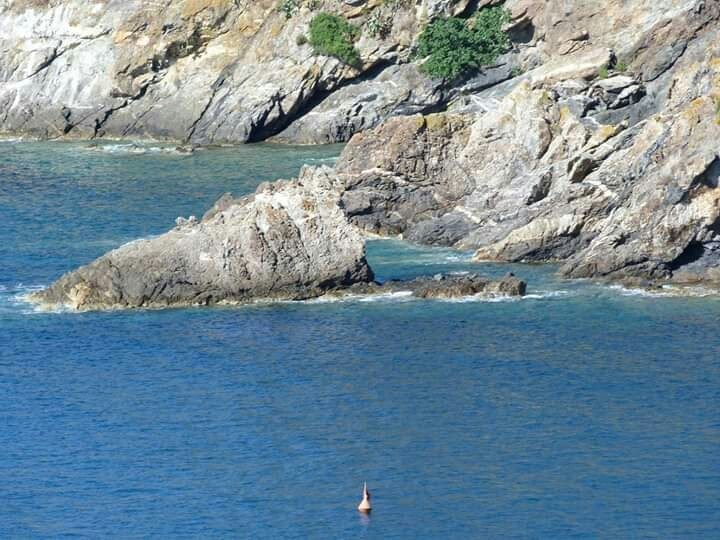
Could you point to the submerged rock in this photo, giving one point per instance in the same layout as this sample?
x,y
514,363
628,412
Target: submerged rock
x,y
289,240
464,286
443,286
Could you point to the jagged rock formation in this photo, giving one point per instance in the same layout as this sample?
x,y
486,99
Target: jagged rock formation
x,y
289,240
615,176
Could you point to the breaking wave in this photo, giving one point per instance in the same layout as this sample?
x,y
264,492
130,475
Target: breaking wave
x,y
667,291
139,149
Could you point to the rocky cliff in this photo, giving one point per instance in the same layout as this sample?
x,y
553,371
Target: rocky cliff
x,y
290,240
204,71
593,141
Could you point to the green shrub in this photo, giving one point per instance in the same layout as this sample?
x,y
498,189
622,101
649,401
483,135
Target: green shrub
x,y
492,39
621,65
456,47
603,72
331,35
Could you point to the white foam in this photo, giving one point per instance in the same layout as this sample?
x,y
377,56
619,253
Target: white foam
x,y
404,296
542,295
666,291
384,297
109,242
36,309
624,291
323,160
433,259
136,149
327,299
15,298
346,298
483,298
139,240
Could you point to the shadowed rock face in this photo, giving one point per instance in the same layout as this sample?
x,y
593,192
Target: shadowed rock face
x,y
289,240
397,90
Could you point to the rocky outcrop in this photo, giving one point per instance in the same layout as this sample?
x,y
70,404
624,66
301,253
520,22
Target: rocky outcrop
x,y
289,240
405,174
443,287
662,218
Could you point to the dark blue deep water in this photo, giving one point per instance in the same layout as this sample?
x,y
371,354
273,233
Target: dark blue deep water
x,y
582,411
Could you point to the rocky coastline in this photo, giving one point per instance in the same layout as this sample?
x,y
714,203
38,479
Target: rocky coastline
x,y
289,240
593,142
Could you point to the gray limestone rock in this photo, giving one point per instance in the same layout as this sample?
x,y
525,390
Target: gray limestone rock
x,y
203,71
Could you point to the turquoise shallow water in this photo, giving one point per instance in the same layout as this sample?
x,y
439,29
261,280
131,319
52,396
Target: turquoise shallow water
x,y
581,411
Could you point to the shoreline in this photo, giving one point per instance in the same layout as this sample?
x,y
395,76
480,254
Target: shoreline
x,y
682,286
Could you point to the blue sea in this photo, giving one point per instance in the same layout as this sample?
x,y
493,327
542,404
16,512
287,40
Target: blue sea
x,y
581,411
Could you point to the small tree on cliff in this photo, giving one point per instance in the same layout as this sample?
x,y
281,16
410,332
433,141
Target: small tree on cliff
x,y
455,47
331,35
